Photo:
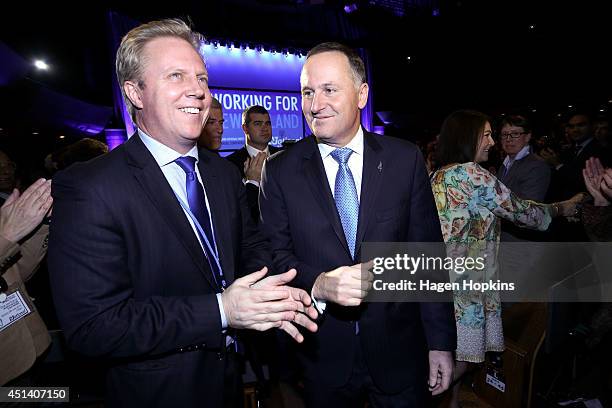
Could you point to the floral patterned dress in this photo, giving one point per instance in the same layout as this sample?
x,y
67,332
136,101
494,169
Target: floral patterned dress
x,y
471,202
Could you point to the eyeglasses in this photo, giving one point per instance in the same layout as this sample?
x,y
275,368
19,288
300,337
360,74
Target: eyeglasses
x,y
513,135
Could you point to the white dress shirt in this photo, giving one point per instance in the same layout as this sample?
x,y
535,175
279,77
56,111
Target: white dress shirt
x,y
176,177
355,164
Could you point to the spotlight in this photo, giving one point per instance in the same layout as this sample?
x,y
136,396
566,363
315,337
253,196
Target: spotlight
x,y
41,65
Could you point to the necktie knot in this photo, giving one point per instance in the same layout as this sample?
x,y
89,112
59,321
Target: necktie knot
x,y
187,163
342,155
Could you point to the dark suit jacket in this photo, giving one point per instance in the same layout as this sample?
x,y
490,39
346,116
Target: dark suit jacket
x,y
130,280
529,179
567,180
238,158
300,219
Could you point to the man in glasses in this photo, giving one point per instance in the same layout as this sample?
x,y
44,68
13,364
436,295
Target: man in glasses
x,y
523,171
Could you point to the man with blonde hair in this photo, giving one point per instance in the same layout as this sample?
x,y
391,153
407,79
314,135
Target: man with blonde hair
x,y
150,241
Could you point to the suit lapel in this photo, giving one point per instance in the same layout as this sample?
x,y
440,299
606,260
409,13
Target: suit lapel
x,y
156,187
317,180
213,186
373,169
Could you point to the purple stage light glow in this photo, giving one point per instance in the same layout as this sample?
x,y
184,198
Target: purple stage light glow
x,y
349,8
114,137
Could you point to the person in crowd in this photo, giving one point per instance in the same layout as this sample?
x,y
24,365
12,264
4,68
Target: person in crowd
x,y
522,171
257,128
23,244
597,219
601,132
567,178
212,132
471,202
80,151
320,200
151,243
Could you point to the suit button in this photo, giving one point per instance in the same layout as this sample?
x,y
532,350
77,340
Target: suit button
x,y
181,350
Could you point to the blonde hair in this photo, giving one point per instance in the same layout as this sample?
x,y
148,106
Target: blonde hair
x,y
129,63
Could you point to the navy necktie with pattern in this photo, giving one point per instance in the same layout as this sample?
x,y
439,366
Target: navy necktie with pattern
x,y
196,198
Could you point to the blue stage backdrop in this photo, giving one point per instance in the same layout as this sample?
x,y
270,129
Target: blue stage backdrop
x,y
284,108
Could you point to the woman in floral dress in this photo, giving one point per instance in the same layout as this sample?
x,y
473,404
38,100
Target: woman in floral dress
x,y
471,202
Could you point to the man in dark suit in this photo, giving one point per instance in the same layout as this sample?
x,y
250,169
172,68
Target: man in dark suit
x,y
148,242
257,128
320,200
567,179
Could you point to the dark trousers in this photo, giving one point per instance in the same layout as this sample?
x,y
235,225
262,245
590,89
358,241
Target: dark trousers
x,y
360,388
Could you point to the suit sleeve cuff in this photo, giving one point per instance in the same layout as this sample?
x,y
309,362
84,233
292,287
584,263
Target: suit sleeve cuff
x,y
255,183
222,312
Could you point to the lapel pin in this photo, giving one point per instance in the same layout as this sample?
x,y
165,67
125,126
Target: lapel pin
x,y
379,167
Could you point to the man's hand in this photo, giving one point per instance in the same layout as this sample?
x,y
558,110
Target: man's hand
x,y
306,316
593,174
253,167
252,302
440,371
606,185
346,285
21,213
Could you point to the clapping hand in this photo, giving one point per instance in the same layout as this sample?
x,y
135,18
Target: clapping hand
x,y
258,303
21,213
598,182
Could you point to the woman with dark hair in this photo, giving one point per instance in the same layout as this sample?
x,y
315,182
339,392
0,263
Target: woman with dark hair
x,y
470,202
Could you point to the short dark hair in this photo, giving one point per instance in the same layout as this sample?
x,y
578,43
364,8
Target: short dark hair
x,y
459,136
246,118
355,62
518,121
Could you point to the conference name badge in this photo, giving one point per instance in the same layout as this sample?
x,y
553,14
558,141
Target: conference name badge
x,y
12,309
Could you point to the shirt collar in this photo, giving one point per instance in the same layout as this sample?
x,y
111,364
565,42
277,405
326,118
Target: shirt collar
x,y
356,145
520,155
162,154
254,152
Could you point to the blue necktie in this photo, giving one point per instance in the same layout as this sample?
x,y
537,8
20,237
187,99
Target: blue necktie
x,y
345,195
196,198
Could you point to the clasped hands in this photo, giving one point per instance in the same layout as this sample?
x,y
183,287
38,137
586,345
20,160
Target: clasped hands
x,y
260,303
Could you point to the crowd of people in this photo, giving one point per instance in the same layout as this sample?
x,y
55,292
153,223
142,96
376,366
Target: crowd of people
x,y
165,259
